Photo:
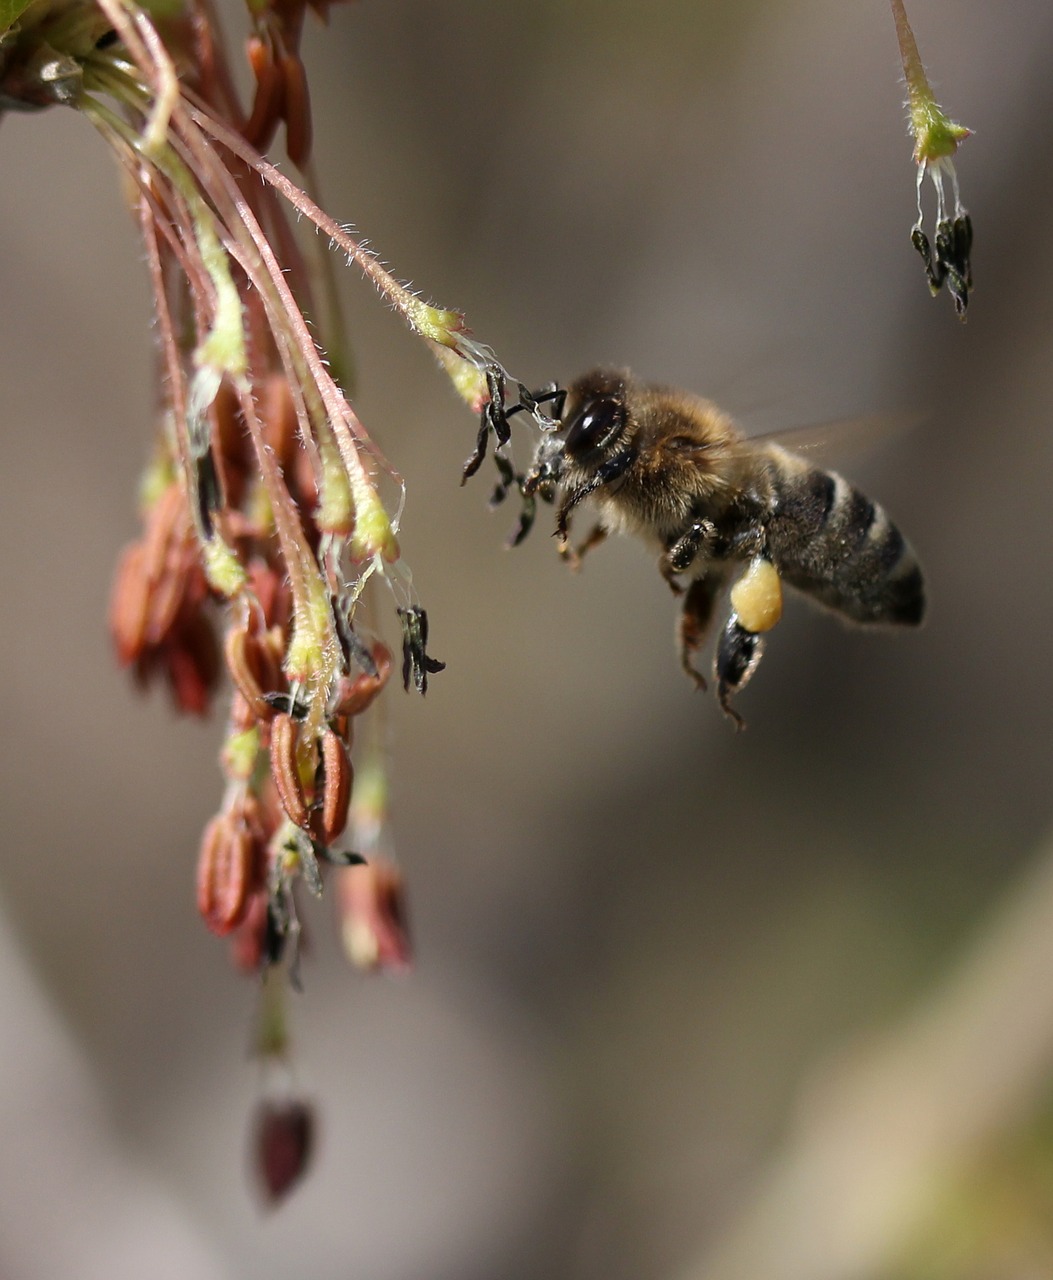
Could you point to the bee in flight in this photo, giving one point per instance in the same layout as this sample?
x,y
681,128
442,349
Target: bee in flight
x,y
720,509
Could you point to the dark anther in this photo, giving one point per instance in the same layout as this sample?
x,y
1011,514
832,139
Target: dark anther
x,y
492,417
494,410
416,665
275,933
106,40
355,651
512,479
305,849
283,923
958,245
920,241
286,704
476,460
509,479
337,857
209,490
950,263
524,524
495,413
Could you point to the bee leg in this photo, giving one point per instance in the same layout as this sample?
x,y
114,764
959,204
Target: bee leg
x,y
678,557
575,555
738,653
756,603
552,393
679,554
611,470
696,613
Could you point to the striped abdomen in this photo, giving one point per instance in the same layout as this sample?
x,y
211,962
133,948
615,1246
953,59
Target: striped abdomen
x,y
829,540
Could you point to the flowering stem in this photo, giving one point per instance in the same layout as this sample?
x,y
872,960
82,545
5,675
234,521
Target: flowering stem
x,y
936,139
442,326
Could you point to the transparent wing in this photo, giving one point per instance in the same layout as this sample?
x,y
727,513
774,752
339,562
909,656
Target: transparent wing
x,y
839,439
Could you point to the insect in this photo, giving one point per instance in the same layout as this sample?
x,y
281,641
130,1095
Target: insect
x,y
722,510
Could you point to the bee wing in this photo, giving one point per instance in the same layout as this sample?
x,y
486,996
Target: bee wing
x,y
836,440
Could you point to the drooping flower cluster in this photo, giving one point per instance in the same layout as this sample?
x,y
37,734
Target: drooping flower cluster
x,y
270,516
265,494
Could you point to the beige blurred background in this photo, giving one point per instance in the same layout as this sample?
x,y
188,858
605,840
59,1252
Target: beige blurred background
x,y
687,1003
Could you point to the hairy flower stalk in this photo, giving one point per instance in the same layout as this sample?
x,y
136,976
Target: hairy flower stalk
x,y
936,139
268,511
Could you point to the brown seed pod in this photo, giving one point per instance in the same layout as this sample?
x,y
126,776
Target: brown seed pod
x,y
339,779
225,873
284,771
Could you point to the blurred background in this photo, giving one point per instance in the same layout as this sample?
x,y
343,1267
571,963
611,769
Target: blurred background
x,y
688,1003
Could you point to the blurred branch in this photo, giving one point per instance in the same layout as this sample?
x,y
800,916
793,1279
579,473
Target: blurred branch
x,y
882,1125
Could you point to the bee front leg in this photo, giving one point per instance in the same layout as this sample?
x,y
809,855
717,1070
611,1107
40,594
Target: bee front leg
x,y
613,469
680,554
696,614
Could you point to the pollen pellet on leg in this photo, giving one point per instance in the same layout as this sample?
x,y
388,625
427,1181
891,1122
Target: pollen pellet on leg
x,y
757,596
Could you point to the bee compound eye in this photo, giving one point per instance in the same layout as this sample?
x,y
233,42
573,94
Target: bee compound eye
x,y
595,426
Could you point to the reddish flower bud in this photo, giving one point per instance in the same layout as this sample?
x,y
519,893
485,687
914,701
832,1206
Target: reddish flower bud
x,y
248,943
252,668
190,660
285,770
259,129
336,789
281,430
225,872
352,697
297,110
129,604
271,590
282,1143
373,912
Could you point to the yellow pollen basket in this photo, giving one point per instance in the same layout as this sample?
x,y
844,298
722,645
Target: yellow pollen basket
x,y
757,597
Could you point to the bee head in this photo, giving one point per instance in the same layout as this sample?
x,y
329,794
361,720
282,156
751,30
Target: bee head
x,y
595,415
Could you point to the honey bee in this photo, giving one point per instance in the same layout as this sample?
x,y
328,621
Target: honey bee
x,y
721,509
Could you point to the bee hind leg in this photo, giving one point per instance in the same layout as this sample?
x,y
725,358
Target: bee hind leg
x,y
738,653
756,603
696,614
